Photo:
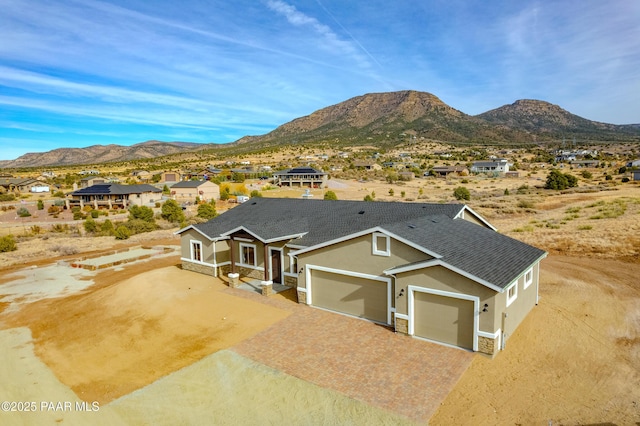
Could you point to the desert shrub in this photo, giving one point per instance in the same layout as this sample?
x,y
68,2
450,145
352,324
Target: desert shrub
x,y
608,177
35,229
368,198
526,204
23,212
330,195
8,243
141,212
506,191
122,233
585,227
58,194
461,193
391,192
255,193
206,211
523,189
40,205
7,197
172,212
625,180
54,209
95,214
60,228
65,250
76,209
90,225
225,192
586,174
559,181
622,170
138,226
106,228
78,215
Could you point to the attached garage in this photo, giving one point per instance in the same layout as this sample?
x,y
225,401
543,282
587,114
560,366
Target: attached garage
x,y
444,317
350,293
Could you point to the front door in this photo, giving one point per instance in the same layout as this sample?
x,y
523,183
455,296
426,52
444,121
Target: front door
x,y
276,267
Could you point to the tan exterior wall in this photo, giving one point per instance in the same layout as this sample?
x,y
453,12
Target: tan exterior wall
x,y
521,306
470,217
210,191
357,255
441,278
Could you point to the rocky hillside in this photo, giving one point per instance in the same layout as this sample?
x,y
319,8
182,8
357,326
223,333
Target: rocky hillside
x,y
550,121
99,154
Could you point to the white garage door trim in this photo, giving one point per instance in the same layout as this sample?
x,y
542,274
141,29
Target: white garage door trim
x,y
476,308
310,268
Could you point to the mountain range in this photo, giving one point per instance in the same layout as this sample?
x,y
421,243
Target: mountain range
x,y
377,119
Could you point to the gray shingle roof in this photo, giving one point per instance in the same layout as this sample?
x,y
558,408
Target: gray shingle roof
x,y
188,184
319,220
477,250
115,189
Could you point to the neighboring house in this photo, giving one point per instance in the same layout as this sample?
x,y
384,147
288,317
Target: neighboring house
x,y
636,175
93,180
188,190
634,163
23,185
301,177
435,271
406,175
496,166
367,165
170,177
444,171
114,196
142,175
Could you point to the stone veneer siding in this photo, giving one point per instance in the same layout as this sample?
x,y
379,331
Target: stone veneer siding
x,y
487,345
290,281
302,297
402,326
198,267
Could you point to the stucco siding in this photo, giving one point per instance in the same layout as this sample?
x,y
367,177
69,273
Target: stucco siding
x,y
441,278
357,255
525,301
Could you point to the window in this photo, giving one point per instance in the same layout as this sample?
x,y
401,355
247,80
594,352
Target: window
x,y
528,278
512,293
381,245
293,264
196,251
248,254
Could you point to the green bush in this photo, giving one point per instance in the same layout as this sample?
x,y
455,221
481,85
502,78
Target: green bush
x,y
7,243
78,215
368,198
255,193
141,212
40,205
207,211
625,179
23,212
330,195
172,212
559,181
107,228
7,197
122,233
95,214
462,193
90,225
138,226
586,174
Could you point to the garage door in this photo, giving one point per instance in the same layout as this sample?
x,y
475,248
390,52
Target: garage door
x,y
360,297
444,319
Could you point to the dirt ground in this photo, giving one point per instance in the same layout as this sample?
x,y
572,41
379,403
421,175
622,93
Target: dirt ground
x,y
148,341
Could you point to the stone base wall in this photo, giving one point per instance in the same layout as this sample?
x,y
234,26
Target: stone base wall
x,y
250,273
198,267
224,270
302,297
290,281
402,326
487,345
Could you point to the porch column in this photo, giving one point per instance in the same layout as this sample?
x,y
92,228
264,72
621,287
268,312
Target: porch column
x,y
232,251
266,262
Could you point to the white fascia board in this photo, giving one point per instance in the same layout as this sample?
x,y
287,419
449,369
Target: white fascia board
x,y
366,232
480,218
285,237
438,262
242,228
198,231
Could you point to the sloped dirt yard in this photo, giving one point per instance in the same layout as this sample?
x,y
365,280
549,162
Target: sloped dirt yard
x,y
151,343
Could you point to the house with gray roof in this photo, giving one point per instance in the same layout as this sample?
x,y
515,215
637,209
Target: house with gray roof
x,y
302,177
438,272
113,195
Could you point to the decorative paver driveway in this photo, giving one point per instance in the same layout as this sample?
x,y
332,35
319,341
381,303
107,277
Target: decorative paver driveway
x,y
362,360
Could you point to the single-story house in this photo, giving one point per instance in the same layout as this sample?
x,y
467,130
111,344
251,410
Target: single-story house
x,y
585,163
188,190
92,180
23,185
114,195
367,165
496,166
636,175
301,177
633,164
170,177
439,272
444,171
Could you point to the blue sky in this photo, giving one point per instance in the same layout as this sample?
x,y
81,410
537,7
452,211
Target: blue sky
x,y
80,73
